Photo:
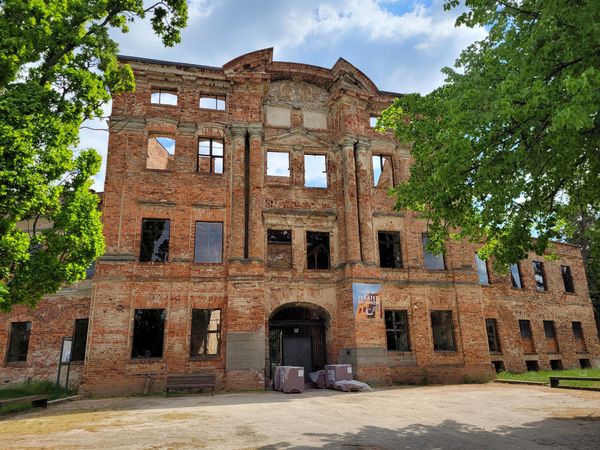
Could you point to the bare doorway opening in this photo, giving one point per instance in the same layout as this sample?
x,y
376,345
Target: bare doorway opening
x,y
498,366
556,364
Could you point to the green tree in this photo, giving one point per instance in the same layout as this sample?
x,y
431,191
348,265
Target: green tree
x,y
58,66
503,148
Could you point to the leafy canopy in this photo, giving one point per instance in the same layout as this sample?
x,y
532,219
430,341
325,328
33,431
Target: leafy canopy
x,y
58,66
509,145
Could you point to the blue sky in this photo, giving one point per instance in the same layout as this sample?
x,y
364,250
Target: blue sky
x,y
401,45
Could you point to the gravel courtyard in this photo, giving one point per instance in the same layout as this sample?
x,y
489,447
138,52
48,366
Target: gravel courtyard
x,y
455,417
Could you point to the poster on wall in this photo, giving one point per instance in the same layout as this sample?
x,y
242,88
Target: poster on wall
x,y
367,301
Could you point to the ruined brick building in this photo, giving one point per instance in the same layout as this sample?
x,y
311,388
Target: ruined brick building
x,y
247,224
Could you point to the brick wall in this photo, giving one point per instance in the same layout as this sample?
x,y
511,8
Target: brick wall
x,y
297,109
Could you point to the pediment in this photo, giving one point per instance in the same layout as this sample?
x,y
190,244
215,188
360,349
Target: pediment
x,y
297,137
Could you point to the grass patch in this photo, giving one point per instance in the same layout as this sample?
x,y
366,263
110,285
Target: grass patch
x,y
544,376
31,388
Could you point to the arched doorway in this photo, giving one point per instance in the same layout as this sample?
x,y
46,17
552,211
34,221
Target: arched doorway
x,y
297,337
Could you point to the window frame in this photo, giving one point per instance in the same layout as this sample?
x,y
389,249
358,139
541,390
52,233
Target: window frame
x,y
539,270
424,240
396,330
218,332
496,336
452,330
8,359
216,98
479,269
580,331
325,233
222,241
166,90
133,335
289,159
568,280
381,157
550,325
212,157
397,258
326,170
512,280
530,331
157,137
291,250
166,260
75,341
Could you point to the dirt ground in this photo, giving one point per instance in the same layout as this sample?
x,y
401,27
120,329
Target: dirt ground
x,y
450,417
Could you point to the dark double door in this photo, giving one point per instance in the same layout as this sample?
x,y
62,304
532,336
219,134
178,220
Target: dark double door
x,y
297,351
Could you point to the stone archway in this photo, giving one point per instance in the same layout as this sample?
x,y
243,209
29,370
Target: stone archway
x,y
298,337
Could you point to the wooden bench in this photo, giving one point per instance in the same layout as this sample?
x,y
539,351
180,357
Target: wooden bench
x,y
555,381
37,401
192,381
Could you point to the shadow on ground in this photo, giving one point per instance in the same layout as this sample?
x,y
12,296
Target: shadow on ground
x,y
580,433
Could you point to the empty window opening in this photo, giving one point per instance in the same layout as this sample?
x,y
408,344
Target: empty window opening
x,y
205,336
525,329
550,333
160,154
18,343
556,364
532,366
148,333
278,164
209,242
213,102
577,330
539,276
515,276
210,155
396,330
373,121
317,250
389,250
155,240
585,363
492,335
164,97
567,279
549,329
443,331
79,340
279,249
482,270
498,366
383,172
432,261
315,171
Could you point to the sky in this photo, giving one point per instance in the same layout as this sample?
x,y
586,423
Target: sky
x,y
400,45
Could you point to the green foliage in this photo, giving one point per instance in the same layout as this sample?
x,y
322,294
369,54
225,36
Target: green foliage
x,y
509,145
34,387
544,376
58,66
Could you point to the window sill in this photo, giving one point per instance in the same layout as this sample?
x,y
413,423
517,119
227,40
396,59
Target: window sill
x,y
401,352
204,357
208,264
308,270
16,364
164,105
316,188
213,109
152,263
446,352
530,353
146,360
77,363
209,174
570,293
496,353
392,269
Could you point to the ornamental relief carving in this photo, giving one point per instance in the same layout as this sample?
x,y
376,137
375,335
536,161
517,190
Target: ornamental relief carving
x,y
295,94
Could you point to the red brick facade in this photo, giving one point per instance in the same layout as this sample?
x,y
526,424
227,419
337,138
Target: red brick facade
x,y
299,110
